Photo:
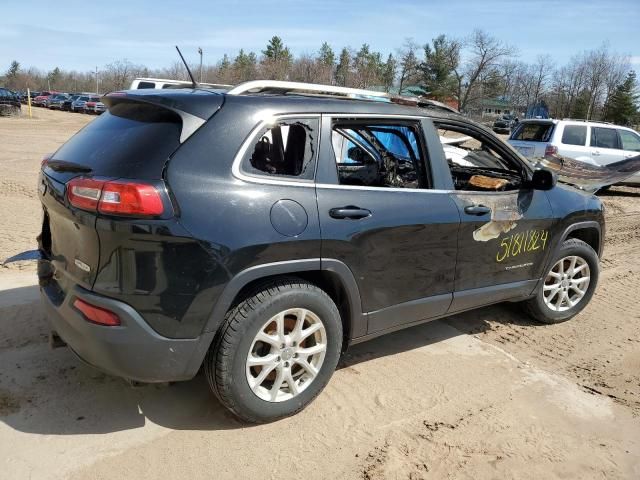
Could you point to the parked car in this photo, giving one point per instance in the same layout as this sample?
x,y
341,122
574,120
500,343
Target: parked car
x,y
89,106
79,103
40,100
9,102
593,143
161,83
505,123
23,96
98,108
66,104
54,102
322,219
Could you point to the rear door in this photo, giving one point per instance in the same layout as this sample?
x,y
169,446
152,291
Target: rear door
x,y
573,142
605,145
381,215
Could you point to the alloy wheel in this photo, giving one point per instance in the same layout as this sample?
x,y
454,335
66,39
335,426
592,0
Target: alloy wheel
x,y
567,283
286,355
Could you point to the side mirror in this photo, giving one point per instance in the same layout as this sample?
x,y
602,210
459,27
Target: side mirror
x,y
543,179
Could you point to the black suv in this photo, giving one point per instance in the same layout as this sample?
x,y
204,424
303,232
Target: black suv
x,y
9,102
258,232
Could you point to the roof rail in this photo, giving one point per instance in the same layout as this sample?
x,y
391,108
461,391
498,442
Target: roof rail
x,y
586,120
283,87
278,86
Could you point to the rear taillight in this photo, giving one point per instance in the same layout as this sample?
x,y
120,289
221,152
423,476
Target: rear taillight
x,y
130,199
115,198
84,193
98,315
550,150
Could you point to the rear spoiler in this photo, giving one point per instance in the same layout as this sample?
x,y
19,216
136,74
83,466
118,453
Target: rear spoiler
x,y
194,107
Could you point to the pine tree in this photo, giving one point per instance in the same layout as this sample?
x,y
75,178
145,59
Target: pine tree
x,y
389,73
623,107
326,57
277,51
343,70
12,74
440,61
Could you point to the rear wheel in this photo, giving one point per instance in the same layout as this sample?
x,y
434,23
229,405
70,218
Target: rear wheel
x,y
568,285
276,351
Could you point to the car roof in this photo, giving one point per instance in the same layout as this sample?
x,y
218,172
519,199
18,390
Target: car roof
x,y
289,103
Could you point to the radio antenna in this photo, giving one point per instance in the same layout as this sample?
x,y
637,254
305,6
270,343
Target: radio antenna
x,y
193,80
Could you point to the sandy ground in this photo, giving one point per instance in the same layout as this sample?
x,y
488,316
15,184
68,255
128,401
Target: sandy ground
x,y
487,394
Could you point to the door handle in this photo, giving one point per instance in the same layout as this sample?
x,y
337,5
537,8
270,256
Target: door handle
x,y
595,152
352,212
477,210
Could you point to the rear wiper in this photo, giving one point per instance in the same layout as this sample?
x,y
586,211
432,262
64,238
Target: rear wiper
x,y
62,166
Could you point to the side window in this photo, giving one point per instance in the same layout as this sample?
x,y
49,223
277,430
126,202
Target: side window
x,y
287,149
604,137
142,85
385,155
630,140
574,135
478,163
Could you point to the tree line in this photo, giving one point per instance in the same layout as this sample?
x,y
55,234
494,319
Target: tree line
x,y
464,72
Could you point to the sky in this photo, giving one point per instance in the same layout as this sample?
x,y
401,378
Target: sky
x,y
78,35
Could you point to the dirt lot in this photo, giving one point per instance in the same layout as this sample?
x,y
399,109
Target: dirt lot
x,y
487,394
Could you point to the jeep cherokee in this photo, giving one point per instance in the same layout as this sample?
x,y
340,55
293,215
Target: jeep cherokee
x,y
259,232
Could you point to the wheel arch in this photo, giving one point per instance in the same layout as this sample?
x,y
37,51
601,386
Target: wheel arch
x,y
332,276
588,232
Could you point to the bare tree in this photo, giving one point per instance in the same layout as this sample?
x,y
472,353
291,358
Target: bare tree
x,y
485,54
408,64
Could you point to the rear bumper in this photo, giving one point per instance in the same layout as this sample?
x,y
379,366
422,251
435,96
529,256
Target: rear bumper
x,y
133,350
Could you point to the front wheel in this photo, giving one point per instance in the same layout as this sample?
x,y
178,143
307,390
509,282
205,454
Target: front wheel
x,y
568,285
276,351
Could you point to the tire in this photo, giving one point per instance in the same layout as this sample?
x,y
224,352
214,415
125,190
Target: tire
x,y
554,309
289,301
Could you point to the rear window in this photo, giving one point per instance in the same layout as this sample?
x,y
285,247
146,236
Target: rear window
x,y
146,85
129,140
574,135
533,132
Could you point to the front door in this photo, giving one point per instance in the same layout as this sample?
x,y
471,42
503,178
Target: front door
x,y
605,145
504,236
379,216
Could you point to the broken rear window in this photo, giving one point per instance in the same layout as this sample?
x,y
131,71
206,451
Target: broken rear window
x,y
287,149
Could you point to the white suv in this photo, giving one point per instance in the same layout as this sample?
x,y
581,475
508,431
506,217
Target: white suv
x,y
595,143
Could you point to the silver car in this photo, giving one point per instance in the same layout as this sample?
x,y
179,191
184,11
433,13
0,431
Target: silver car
x,y
78,104
593,143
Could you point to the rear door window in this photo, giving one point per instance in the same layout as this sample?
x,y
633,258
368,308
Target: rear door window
x,y
574,135
533,132
630,140
146,85
604,137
